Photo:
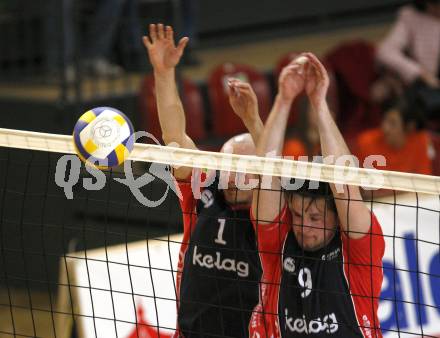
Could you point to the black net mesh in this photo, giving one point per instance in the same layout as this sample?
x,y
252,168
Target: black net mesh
x,y
100,263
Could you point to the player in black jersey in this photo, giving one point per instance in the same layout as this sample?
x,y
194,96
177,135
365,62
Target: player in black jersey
x,y
218,269
321,249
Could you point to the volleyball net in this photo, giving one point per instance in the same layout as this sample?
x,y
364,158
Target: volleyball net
x,y
91,253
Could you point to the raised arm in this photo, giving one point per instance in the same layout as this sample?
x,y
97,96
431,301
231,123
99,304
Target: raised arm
x,y
245,104
164,56
266,201
354,216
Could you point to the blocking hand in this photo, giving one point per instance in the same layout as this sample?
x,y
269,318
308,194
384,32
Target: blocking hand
x,y
317,81
242,99
291,81
164,54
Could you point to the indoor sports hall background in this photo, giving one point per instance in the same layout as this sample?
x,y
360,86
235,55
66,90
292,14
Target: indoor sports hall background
x,y
97,264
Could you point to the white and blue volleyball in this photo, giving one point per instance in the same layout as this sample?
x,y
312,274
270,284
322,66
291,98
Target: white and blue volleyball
x,y
102,137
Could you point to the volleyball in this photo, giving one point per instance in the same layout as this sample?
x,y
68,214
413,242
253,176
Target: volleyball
x,y
102,137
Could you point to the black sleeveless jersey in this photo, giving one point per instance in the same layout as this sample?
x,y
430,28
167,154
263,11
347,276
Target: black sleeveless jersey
x,y
314,294
332,292
219,285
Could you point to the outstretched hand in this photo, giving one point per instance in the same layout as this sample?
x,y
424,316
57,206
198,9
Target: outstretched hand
x,y
317,81
292,80
243,99
164,54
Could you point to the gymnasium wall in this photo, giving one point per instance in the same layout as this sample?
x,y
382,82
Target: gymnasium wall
x,y
233,14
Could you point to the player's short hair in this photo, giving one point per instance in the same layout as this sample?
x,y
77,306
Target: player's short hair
x,y
308,190
408,111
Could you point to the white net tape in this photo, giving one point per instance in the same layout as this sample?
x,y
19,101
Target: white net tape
x,y
367,178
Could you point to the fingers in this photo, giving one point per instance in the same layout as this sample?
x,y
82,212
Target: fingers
x,y
317,65
153,33
160,31
233,87
146,41
239,87
182,44
289,70
311,71
300,60
285,71
293,68
238,83
313,59
169,33
310,64
303,62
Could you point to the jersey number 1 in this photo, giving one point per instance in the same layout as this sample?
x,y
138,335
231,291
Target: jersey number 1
x,y
219,239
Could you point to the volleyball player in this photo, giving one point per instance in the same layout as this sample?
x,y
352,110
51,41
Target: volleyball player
x,y
218,269
321,249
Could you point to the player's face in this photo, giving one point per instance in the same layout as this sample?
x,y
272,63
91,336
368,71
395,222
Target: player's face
x,y
314,224
235,195
393,129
